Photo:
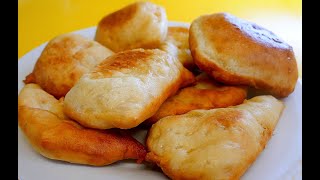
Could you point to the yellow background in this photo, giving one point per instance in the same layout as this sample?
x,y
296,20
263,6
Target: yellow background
x,y
41,20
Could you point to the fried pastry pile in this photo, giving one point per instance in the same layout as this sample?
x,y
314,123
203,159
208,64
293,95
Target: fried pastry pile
x,y
189,84
55,136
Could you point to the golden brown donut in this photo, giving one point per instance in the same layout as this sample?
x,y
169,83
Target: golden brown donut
x,y
238,52
177,44
125,89
51,134
138,25
213,144
205,94
64,60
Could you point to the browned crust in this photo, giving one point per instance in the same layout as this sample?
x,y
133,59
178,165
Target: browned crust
x,y
227,77
130,60
191,98
113,27
176,175
177,29
119,17
60,64
66,140
122,60
179,36
53,57
30,79
186,78
152,108
207,64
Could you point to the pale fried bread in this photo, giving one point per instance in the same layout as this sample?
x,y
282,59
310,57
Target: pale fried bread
x,y
213,144
126,89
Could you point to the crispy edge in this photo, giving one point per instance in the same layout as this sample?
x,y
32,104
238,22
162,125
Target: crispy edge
x,y
58,139
199,99
162,163
205,64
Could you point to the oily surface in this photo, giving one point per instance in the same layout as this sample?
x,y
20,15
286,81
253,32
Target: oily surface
x,y
50,133
138,25
177,44
125,89
205,94
64,60
213,144
235,51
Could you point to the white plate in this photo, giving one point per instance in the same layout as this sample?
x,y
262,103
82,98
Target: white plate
x,y
281,158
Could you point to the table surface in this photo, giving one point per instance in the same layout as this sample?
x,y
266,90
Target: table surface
x,y
39,21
